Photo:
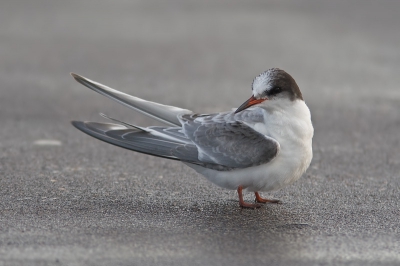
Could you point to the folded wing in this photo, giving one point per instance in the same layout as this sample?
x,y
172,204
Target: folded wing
x,y
220,146
232,144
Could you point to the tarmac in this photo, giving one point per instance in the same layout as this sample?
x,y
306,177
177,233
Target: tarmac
x,y
69,199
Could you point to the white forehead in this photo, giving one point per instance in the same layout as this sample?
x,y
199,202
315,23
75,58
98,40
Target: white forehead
x,y
262,81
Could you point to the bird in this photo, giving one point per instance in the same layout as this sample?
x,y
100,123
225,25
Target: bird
x,y
262,146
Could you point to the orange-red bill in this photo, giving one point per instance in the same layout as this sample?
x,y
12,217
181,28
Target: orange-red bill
x,y
250,102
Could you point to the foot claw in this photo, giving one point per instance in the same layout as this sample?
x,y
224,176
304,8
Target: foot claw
x,y
259,199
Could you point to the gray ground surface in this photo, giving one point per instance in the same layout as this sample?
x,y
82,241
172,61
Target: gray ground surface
x,y
89,203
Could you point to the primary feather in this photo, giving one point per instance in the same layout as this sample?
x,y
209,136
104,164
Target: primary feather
x,y
164,113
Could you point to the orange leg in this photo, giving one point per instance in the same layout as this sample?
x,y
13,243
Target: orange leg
x,y
262,200
246,204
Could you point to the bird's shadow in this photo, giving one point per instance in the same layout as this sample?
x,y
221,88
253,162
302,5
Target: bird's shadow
x,y
220,216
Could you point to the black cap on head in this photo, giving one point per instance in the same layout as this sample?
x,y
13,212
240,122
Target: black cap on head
x,y
274,81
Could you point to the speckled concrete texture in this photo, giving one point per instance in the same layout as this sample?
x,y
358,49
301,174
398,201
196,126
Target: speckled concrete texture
x,y
68,199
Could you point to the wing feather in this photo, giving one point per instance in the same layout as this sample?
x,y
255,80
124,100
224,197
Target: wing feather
x,y
228,142
140,141
164,113
218,141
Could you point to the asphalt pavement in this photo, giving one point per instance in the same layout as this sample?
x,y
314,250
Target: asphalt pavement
x,y
69,199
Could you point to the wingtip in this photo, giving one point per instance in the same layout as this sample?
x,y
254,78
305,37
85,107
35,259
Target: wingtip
x,y
75,76
81,79
78,124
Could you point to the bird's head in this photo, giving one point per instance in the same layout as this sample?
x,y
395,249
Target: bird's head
x,y
272,85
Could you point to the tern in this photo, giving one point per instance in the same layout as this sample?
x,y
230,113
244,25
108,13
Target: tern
x,y
263,145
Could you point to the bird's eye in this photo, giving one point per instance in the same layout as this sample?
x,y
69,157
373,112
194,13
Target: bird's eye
x,y
275,90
